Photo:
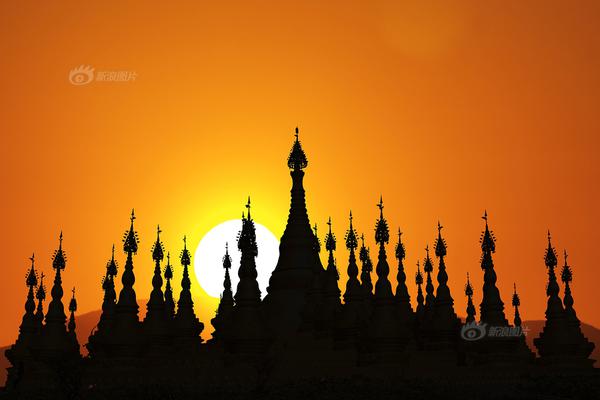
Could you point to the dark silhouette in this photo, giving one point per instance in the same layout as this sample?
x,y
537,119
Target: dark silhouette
x,y
301,337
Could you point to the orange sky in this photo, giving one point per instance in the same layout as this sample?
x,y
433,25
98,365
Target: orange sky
x,y
446,108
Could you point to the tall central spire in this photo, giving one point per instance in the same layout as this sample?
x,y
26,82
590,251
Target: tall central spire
x,y
293,276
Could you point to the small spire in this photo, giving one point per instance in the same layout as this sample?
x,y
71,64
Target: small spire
x,y
227,258
111,267
516,301
130,239
550,257
157,249
41,290
297,158
185,254
427,266
566,273
351,240
31,278
400,250
59,259
382,233
330,238
468,287
248,207
418,275
73,302
168,268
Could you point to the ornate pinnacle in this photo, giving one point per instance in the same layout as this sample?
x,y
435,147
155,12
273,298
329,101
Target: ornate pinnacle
x,y
418,275
73,302
516,301
297,158
488,242
351,240
317,240
468,287
185,254
440,244
248,207
157,248
427,266
400,250
111,266
566,273
130,239
31,278
168,268
550,257
59,259
227,258
41,291
330,238
382,233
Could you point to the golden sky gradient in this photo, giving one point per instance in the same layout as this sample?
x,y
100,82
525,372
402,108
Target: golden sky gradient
x,y
445,108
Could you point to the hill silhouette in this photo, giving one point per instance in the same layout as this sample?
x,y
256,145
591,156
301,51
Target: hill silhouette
x,y
87,322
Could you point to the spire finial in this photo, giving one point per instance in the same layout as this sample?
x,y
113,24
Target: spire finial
x,y
329,223
248,207
400,233
32,258
60,239
297,159
132,215
380,205
485,216
185,254
296,133
350,217
439,227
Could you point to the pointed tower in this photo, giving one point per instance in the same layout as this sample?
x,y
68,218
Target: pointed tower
x,y
222,320
19,354
71,326
292,278
187,325
365,274
420,311
353,316
156,324
330,305
386,337
492,307
561,343
248,328
40,295
470,306
429,289
516,302
405,311
446,325
169,302
98,340
125,336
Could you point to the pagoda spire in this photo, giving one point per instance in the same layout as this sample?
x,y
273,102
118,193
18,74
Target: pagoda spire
x,y
561,341
19,353
40,295
429,290
169,302
155,323
28,325
420,311
470,307
292,279
188,326
402,296
445,322
353,289
366,269
248,331
222,319
492,307
384,329
55,317
72,309
516,302
331,292
567,277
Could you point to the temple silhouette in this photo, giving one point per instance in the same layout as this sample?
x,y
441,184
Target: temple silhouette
x,y
306,327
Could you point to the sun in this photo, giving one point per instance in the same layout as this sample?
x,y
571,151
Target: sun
x,y
208,260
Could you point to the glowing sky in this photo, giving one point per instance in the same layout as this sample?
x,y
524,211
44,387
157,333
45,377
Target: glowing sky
x,y
445,108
